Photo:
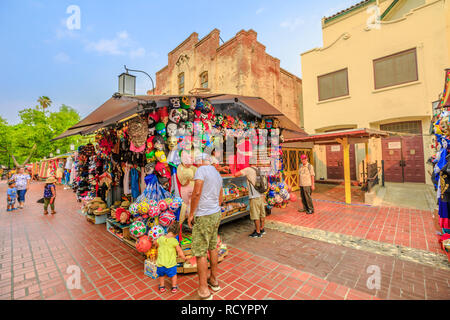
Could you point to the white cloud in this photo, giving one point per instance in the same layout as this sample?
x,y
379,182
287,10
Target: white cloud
x,y
292,24
260,10
137,53
121,44
62,57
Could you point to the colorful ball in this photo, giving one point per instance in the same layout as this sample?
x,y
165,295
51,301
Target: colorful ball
x,y
143,207
168,201
144,244
156,232
166,219
153,203
163,206
134,209
271,201
137,229
293,197
175,204
153,211
284,194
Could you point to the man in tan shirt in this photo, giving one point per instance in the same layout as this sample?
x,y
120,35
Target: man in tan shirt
x,y
306,178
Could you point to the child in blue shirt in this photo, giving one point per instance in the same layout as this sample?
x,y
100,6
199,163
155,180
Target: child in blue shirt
x,y
11,195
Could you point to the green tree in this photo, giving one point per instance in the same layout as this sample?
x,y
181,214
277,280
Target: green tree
x,y
38,126
45,102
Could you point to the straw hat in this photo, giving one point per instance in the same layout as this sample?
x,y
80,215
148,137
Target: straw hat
x,y
50,180
101,211
125,204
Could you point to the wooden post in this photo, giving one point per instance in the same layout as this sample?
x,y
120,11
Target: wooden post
x,y
347,182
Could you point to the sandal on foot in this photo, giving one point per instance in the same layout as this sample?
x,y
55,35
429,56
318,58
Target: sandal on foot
x,y
162,289
210,297
213,287
175,289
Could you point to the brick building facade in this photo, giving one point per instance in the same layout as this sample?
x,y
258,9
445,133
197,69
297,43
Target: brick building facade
x,y
239,66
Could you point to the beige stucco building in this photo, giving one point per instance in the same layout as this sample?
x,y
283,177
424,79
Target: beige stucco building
x,y
239,66
381,74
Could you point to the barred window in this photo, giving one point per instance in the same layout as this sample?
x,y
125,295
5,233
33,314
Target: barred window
x,y
396,69
333,85
204,79
413,127
181,83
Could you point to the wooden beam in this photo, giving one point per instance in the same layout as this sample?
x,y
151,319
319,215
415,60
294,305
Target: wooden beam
x,y
357,140
347,182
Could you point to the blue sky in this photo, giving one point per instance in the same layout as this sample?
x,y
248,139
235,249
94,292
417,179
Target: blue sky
x,y
41,56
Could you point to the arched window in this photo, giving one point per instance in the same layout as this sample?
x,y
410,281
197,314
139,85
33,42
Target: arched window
x,y
181,83
204,79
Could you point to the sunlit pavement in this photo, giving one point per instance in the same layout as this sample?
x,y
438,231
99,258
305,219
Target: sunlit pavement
x,y
36,251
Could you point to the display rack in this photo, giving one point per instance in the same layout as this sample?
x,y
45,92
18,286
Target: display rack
x,y
228,216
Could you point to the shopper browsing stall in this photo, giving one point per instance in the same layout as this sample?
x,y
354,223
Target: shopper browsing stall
x,y
206,200
257,206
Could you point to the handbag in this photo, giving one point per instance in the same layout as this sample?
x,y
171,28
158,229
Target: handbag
x,y
40,200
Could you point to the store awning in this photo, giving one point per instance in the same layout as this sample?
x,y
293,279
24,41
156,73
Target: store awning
x,y
121,107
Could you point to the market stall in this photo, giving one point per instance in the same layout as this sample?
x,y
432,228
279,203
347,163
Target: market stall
x,y
441,166
137,177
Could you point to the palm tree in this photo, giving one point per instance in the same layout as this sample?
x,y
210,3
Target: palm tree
x,y
44,101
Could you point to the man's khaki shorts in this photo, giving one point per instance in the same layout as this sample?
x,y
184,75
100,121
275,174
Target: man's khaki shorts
x,y
204,234
257,209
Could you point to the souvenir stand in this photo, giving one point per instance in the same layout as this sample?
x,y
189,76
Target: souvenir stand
x,y
137,177
441,166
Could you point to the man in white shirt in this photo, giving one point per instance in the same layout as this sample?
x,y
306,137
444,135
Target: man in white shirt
x,y
204,219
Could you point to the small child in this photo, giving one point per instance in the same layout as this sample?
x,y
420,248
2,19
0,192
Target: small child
x,y
11,195
166,262
49,195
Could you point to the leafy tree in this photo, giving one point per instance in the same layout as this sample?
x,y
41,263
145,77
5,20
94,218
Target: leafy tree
x,y
37,126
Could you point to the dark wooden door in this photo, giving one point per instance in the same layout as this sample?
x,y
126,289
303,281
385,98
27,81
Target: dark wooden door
x,y
413,159
335,162
403,159
392,156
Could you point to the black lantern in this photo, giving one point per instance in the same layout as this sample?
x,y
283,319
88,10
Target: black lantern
x,y
127,84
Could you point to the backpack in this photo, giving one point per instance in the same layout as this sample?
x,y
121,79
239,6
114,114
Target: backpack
x,y
262,183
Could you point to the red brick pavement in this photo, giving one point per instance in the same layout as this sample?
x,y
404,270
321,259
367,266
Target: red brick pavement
x,y
36,250
400,226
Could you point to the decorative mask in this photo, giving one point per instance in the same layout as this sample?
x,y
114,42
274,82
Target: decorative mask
x,y
150,143
191,115
200,104
172,129
207,107
138,131
197,115
150,156
276,123
269,124
184,115
189,128
262,124
192,103
185,102
174,102
152,119
158,142
186,143
150,167
219,120
163,115
161,129
160,156
174,116
172,142
182,128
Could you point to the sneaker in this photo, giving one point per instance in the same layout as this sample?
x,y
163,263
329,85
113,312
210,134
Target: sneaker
x,y
255,235
262,231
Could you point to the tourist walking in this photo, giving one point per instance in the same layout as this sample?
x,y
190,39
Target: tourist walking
x,y
22,180
49,195
204,219
257,206
11,195
306,178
